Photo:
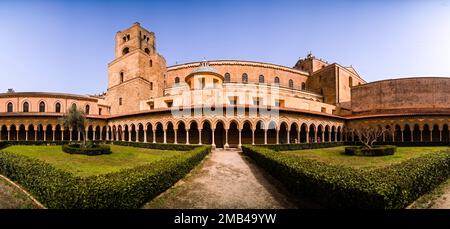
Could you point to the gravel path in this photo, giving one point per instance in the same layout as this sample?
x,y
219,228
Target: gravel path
x,y
227,180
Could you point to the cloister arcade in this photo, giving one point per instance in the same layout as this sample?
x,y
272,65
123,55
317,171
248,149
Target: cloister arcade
x,y
224,132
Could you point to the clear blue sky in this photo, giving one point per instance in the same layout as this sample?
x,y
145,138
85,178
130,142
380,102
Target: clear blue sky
x,y
65,46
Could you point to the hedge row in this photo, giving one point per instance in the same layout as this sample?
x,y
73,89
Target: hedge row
x,y
405,143
334,186
162,146
300,146
90,151
129,188
383,150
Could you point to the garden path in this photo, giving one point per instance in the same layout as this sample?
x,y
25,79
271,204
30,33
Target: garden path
x,y
227,179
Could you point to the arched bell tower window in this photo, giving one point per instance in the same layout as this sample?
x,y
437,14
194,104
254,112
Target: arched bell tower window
x,y
87,109
121,77
42,107
146,50
227,77
10,107
151,63
177,80
120,101
244,78
26,107
291,84
151,86
126,50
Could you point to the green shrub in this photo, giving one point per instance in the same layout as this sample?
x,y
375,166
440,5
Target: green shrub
x,y
90,151
300,146
375,151
162,146
335,186
129,188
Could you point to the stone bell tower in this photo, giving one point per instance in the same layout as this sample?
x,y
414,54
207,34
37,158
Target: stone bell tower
x,y
137,72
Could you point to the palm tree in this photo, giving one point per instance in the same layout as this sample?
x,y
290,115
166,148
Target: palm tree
x,y
75,119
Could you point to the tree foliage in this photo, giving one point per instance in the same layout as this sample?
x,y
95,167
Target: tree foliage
x,y
75,119
367,135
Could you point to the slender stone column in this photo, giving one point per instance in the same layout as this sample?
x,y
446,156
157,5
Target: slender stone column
x,y
45,135
53,132
213,141
93,135
175,136
421,135
226,139
265,136
298,136
403,138
307,136
9,135
431,135
315,136
17,134
145,135
288,140
240,140
199,136
70,135
129,135
154,136
165,136
253,137
62,134
101,135
322,137
35,135
440,135
26,135
329,136
187,136
137,136
393,136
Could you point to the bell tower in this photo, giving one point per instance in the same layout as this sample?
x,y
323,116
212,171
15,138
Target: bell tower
x,y
137,72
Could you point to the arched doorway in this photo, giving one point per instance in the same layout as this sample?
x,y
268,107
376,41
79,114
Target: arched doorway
x,y
219,135
246,134
233,135
259,133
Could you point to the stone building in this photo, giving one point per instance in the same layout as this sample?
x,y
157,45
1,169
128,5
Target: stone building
x,y
228,103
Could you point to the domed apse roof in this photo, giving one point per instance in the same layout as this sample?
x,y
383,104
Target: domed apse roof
x,y
205,68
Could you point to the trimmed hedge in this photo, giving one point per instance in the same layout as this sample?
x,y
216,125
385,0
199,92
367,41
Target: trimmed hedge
x,y
162,146
91,151
300,146
375,151
129,188
335,186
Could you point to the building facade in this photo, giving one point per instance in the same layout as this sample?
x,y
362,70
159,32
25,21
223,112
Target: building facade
x,y
228,103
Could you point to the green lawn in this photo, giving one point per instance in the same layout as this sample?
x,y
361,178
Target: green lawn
x,y
122,157
336,156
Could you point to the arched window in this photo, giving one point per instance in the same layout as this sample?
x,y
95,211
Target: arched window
x,y
276,80
74,106
125,50
121,77
151,86
120,101
303,86
261,79
151,63
26,107
227,77
128,36
291,84
58,107
87,109
350,81
42,107
244,78
177,80
146,50
10,107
